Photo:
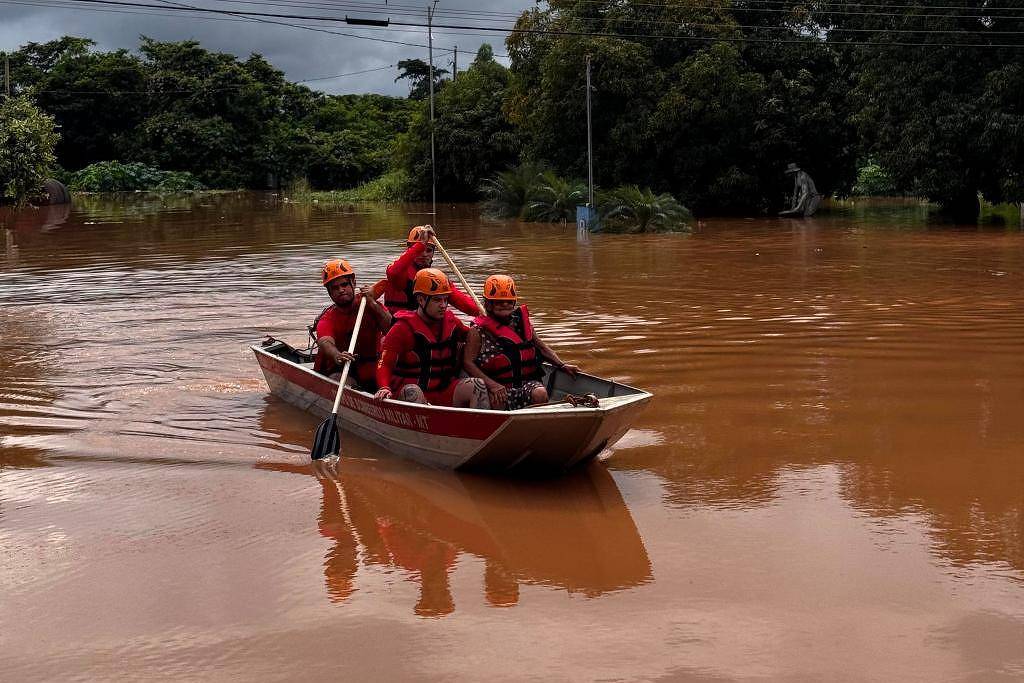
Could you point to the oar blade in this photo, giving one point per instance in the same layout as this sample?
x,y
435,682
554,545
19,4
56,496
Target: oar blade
x,y
327,441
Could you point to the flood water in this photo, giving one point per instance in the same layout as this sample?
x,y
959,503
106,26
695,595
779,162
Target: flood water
x,y
828,484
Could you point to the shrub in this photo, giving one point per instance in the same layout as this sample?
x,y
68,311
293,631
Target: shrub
x,y
555,199
508,194
115,176
631,209
27,141
873,181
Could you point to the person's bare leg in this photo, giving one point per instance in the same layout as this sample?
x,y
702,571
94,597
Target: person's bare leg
x,y
539,395
471,393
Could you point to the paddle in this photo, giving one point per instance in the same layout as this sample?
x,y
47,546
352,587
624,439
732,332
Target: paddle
x,y
458,273
327,442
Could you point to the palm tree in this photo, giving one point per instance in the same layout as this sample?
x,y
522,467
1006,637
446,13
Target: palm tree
x,y
643,211
555,199
508,194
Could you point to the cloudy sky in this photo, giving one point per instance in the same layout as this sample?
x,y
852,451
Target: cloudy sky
x,y
300,53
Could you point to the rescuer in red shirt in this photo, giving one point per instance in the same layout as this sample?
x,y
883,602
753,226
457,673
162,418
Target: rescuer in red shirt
x,y
333,329
421,356
419,254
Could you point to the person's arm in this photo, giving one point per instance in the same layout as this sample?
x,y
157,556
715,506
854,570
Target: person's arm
x,y
464,302
325,340
495,390
382,314
548,353
396,341
385,366
397,271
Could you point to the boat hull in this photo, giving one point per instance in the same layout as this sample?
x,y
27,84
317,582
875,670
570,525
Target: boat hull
x,y
541,440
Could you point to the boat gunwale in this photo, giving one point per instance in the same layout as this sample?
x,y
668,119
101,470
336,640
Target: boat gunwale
x,y
548,410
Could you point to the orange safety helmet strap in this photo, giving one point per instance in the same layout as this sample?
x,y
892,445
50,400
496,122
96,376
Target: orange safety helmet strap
x,y
334,269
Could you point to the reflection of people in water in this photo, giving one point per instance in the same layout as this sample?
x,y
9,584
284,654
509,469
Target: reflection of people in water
x,y
581,535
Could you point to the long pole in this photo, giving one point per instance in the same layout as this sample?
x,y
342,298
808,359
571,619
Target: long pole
x,y
590,145
433,166
455,63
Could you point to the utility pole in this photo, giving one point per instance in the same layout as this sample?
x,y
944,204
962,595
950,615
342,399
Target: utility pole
x,y
433,165
590,145
7,75
455,64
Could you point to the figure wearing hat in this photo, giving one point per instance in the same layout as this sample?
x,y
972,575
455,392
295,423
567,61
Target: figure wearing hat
x,y
805,195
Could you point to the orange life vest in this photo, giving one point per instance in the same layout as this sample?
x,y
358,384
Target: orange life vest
x,y
432,363
519,360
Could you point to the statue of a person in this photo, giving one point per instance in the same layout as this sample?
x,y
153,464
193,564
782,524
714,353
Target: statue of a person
x,y
805,195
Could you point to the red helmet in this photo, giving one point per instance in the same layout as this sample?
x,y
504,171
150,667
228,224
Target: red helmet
x,y
332,270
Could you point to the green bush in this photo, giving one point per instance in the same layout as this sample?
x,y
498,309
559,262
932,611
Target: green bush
x,y
115,176
391,187
509,193
873,181
554,199
630,209
27,141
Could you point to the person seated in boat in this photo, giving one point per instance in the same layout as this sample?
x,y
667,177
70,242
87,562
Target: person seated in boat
x,y
333,327
420,357
401,274
503,350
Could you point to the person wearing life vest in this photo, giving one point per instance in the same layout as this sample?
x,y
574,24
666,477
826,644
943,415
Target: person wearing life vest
x,y
503,350
401,274
333,327
421,353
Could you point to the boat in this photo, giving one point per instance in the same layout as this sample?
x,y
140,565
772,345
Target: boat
x,y
539,440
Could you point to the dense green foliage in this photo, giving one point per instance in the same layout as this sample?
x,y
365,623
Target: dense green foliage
x,y
533,193
946,120
113,176
873,181
707,101
473,139
230,123
27,142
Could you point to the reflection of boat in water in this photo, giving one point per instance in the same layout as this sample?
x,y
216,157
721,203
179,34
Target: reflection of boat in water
x,y
550,438
574,533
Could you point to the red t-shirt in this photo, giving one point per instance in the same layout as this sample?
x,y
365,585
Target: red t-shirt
x,y
338,324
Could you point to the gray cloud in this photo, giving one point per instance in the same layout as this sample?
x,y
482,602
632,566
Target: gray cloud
x,y
300,53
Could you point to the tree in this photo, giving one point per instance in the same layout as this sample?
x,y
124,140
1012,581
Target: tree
x,y
27,141
418,73
474,138
944,118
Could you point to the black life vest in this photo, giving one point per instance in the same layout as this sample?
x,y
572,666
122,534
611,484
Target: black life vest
x,y
519,360
432,362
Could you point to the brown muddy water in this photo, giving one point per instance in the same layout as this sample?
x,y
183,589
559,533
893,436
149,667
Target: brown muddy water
x,y
828,485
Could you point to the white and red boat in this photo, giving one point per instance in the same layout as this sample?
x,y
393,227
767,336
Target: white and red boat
x,y
546,439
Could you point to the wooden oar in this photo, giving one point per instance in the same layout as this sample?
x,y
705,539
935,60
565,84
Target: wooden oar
x,y
458,273
327,442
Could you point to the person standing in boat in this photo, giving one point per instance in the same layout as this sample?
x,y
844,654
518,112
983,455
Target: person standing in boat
x,y
420,358
333,327
401,274
504,352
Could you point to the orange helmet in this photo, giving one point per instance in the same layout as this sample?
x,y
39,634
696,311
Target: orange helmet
x,y
332,270
431,282
417,233
500,288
